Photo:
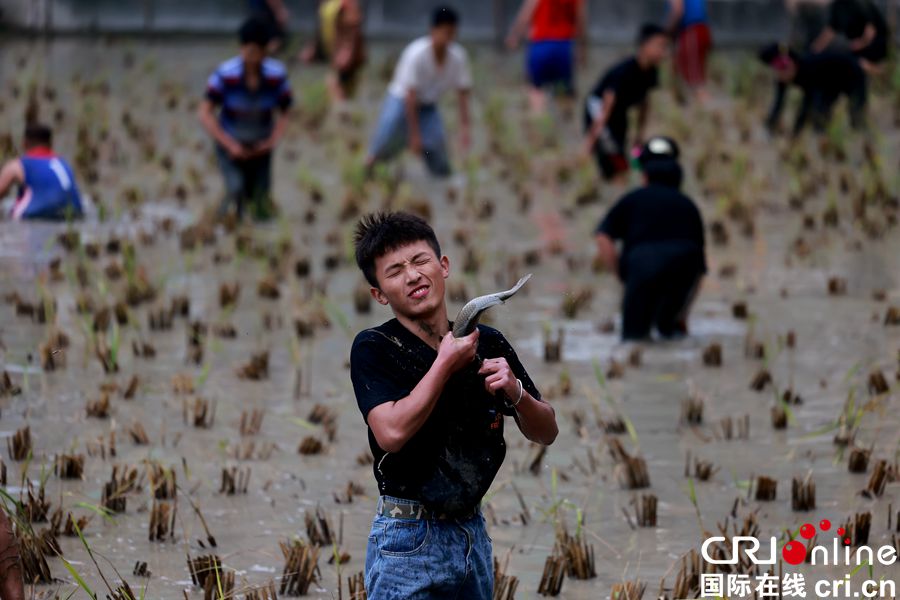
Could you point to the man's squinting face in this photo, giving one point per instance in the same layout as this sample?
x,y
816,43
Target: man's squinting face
x,y
411,280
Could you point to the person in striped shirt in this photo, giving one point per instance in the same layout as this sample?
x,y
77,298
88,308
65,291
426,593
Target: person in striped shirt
x,y
252,94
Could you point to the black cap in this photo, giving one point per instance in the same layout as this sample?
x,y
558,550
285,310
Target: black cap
x,y
444,15
659,148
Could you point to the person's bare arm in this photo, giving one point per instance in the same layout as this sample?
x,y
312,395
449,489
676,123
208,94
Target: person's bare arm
x,y
268,145
412,121
606,251
520,24
464,119
11,174
349,35
865,39
11,584
536,419
280,10
676,12
609,101
824,40
581,31
394,423
643,116
207,116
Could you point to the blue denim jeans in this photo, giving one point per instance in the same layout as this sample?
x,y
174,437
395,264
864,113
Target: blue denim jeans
x,y
391,135
419,559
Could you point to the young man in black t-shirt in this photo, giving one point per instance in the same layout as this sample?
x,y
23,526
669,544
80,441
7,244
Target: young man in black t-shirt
x,y
624,86
434,406
823,79
662,258
863,25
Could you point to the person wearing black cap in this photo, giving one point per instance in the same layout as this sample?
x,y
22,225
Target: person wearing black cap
x,y
254,95
624,86
823,79
662,257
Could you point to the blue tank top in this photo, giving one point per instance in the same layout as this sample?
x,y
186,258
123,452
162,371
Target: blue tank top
x,y
694,12
50,191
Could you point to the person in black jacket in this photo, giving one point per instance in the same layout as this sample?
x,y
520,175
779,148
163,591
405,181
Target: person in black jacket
x,y
823,79
662,257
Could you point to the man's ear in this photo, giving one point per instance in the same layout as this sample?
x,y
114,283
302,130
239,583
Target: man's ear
x,y
379,296
445,267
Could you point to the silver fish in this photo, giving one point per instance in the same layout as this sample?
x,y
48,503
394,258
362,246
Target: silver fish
x,y
468,316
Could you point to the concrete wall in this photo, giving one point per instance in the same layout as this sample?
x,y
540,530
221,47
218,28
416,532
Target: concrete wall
x,y
612,21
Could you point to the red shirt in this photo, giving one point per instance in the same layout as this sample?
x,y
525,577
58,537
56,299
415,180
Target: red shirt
x,y
554,20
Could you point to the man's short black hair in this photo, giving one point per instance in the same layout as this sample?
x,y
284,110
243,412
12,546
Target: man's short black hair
x,y
648,31
38,135
255,31
380,232
444,15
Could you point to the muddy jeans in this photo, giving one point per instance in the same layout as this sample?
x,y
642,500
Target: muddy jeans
x,y
419,559
391,135
247,182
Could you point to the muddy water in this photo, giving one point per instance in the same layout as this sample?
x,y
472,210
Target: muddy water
x,y
839,339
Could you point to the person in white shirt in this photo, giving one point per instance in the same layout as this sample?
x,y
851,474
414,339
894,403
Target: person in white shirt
x,y
428,67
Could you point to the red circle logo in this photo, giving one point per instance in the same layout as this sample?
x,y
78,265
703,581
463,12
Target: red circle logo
x,y
794,552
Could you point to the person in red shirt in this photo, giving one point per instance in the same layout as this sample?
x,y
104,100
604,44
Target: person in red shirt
x,y
553,25
688,23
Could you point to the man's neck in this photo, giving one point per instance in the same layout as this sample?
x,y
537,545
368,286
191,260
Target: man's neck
x,y
39,152
440,53
429,329
643,63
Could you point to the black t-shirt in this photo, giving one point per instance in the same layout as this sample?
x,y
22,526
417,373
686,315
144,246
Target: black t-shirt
x,y
450,463
655,213
832,73
850,17
631,84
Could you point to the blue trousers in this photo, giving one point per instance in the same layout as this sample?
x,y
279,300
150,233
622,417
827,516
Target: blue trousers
x,y
391,135
421,559
247,183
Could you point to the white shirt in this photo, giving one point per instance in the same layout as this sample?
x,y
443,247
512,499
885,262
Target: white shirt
x,y
418,70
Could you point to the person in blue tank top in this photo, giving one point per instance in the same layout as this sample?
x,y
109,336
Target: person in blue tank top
x,y
47,188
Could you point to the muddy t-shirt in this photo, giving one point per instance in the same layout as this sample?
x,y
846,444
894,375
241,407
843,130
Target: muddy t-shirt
x,y
449,464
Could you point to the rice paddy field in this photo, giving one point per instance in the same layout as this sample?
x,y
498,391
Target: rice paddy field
x,y
176,403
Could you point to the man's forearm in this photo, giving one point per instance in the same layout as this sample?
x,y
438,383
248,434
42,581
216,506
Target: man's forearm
x,y
398,421
643,115
464,108
281,123
412,115
676,12
825,38
212,126
609,101
606,248
536,420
